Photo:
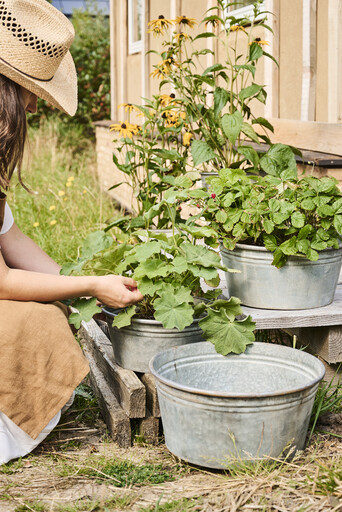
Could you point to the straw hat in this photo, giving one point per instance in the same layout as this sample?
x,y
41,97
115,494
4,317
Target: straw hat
x,y
34,51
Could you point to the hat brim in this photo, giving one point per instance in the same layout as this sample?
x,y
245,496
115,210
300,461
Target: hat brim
x,y
61,91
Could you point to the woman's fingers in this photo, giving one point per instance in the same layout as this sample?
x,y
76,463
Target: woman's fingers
x,y
117,291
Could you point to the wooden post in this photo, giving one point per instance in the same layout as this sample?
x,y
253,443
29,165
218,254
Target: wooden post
x,y
117,421
126,386
271,70
309,65
334,60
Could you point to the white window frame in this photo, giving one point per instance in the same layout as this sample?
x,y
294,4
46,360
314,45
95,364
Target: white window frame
x,y
246,10
134,46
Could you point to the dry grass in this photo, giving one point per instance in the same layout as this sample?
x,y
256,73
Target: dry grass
x,y
73,471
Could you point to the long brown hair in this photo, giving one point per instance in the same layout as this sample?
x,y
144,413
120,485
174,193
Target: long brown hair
x,y
13,129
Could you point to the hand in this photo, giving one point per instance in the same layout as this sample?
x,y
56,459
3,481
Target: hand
x,y
116,291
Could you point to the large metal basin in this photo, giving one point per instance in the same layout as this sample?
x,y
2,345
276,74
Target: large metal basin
x,y
218,409
300,284
136,344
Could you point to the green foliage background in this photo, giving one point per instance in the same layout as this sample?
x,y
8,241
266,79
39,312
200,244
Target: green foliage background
x,y
91,54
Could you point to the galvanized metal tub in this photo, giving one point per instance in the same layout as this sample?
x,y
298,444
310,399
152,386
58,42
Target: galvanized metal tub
x,y
217,410
136,344
300,284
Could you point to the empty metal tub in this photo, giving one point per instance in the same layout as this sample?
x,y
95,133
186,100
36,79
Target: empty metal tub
x,y
218,409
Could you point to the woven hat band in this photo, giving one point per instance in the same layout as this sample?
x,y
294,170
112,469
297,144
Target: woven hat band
x,y
22,72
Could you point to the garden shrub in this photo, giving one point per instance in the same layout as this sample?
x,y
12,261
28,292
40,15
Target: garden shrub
x,y
91,53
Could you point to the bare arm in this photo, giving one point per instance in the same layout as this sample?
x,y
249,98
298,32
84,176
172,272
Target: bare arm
x,y
27,273
20,251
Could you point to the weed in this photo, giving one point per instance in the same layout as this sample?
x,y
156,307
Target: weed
x,y
121,473
33,506
327,400
86,505
11,467
182,505
328,479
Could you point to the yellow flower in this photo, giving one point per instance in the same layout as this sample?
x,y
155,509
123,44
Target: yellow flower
x,y
65,199
84,191
173,118
61,193
52,207
71,178
129,107
164,67
187,136
166,99
35,224
259,42
181,36
234,28
158,25
53,222
184,20
68,184
157,73
125,129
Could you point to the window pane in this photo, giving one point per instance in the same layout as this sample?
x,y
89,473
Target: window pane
x,y
241,3
137,18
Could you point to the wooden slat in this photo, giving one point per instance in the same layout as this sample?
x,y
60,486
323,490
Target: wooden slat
x,y
317,317
148,428
127,387
152,403
323,341
311,135
116,420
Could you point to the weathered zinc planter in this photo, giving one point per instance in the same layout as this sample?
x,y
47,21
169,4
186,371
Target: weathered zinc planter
x,y
136,344
219,409
300,284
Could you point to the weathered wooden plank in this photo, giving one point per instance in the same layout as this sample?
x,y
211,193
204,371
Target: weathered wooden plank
x,y
127,387
313,135
152,402
325,342
148,428
116,420
317,317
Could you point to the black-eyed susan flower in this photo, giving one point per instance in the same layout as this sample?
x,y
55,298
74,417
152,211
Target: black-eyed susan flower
x,y
167,99
125,129
187,136
184,20
158,25
129,107
164,68
259,41
235,28
180,36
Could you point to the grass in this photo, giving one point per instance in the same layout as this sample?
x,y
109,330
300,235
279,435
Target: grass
x,y
67,203
121,473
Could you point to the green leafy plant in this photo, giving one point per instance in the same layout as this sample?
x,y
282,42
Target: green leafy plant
x,y
286,214
170,271
200,120
216,102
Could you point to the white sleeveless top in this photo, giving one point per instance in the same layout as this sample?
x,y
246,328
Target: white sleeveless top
x,y
8,220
